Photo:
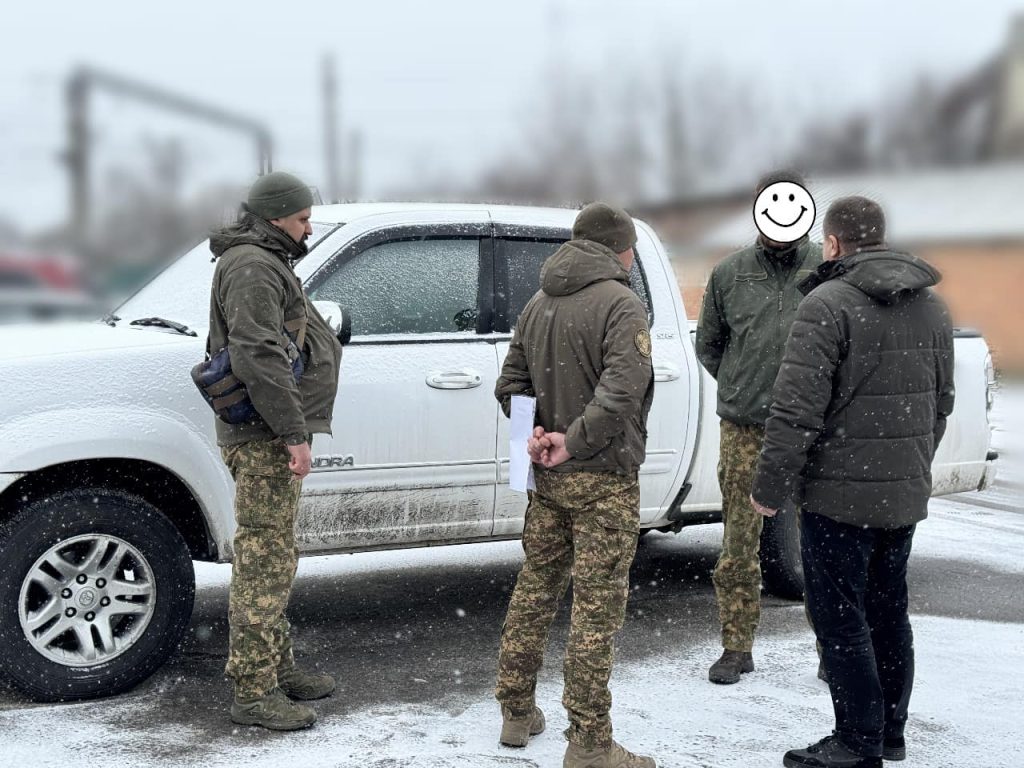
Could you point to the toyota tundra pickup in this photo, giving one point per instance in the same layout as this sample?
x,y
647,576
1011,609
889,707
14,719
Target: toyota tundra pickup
x,y
111,481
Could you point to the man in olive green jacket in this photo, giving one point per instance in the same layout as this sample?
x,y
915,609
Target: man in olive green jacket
x,y
749,305
582,347
258,311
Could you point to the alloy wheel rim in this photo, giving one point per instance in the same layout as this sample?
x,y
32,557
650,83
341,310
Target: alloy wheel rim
x,y
87,600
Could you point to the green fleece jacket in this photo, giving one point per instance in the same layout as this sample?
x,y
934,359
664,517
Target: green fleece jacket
x,y
582,347
255,291
749,306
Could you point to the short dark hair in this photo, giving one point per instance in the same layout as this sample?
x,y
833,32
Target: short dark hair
x,y
856,222
774,177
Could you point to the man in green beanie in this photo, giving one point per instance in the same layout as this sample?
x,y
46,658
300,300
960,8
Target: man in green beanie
x,y
258,311
582,348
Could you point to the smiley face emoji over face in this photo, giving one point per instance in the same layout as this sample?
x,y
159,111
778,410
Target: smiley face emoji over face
x,y
784,212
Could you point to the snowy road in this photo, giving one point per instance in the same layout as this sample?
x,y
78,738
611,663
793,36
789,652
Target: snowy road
x,y
413,635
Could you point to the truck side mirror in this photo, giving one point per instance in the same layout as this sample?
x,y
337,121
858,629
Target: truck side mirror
x,y
338,318
345,331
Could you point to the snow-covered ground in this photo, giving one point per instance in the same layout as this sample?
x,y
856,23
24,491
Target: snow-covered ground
x,y
967,709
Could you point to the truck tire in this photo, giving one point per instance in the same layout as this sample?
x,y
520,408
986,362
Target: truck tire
x,y
97,592
782,570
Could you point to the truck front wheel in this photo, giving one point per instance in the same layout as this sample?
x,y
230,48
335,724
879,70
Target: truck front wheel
x,y
782,570
98,591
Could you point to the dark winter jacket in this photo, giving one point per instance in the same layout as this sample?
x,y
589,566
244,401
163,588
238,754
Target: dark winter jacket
x,y
863,394
749,306
255,291
582,347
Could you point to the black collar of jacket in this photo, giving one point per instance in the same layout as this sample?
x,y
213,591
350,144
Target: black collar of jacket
x,y
830,270
827,270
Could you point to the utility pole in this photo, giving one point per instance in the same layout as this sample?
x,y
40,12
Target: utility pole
x,y
76,157
355,164
330,105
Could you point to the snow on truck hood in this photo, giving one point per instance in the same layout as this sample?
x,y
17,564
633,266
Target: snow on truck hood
x,y
21,342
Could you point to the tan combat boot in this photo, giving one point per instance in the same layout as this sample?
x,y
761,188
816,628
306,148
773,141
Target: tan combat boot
x,y
305,686
274,711
615,756
516,731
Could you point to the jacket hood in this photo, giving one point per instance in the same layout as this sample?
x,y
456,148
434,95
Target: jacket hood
x,y
577,264
886,276
252,230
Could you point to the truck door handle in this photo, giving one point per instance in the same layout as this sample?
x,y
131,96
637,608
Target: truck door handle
x,y
465,379
665,373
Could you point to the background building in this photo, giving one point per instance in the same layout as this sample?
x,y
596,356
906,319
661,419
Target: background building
x,y
956,198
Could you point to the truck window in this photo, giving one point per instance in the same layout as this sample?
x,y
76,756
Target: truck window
x,y
408,286
518,264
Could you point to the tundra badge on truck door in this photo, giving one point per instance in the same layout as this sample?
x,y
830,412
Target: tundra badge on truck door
x,y
334,462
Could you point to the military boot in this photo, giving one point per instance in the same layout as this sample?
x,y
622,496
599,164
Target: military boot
x,y
304,686
894,748
274,711
728,668
516,731
828,753
615,756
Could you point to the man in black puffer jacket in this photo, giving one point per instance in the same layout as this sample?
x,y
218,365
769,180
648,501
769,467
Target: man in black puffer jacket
x,y
860,406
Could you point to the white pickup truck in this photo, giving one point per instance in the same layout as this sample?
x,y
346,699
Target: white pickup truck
x,y
111,480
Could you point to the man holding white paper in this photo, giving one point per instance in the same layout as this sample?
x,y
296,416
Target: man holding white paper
x,y
582,349
520,469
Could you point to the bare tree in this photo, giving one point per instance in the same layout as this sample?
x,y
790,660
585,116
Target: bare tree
x,y
626,172
911,127
615,134
679,162
144,221
839,146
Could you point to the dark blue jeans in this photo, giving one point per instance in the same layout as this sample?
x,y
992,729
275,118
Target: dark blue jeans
x,y
856,591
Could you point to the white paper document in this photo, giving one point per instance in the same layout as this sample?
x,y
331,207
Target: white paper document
x,y
520,468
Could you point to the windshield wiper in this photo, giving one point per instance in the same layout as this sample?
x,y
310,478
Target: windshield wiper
x,y
160,322
110,319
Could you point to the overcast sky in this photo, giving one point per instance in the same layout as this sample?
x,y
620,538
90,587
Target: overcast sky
x,y
436,87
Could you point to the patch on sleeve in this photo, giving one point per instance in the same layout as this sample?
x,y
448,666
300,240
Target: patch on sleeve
x,y
643,342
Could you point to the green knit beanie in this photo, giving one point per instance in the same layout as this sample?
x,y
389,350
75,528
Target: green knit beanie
x,y
607,225
277,195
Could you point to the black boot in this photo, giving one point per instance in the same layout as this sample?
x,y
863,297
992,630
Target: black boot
x,y
828,753
728,668
894,748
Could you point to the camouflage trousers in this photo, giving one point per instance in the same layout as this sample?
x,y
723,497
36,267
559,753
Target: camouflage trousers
x,y
265,559
583,525
737,575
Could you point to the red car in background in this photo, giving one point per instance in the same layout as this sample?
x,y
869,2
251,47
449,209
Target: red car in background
x,y
36,287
